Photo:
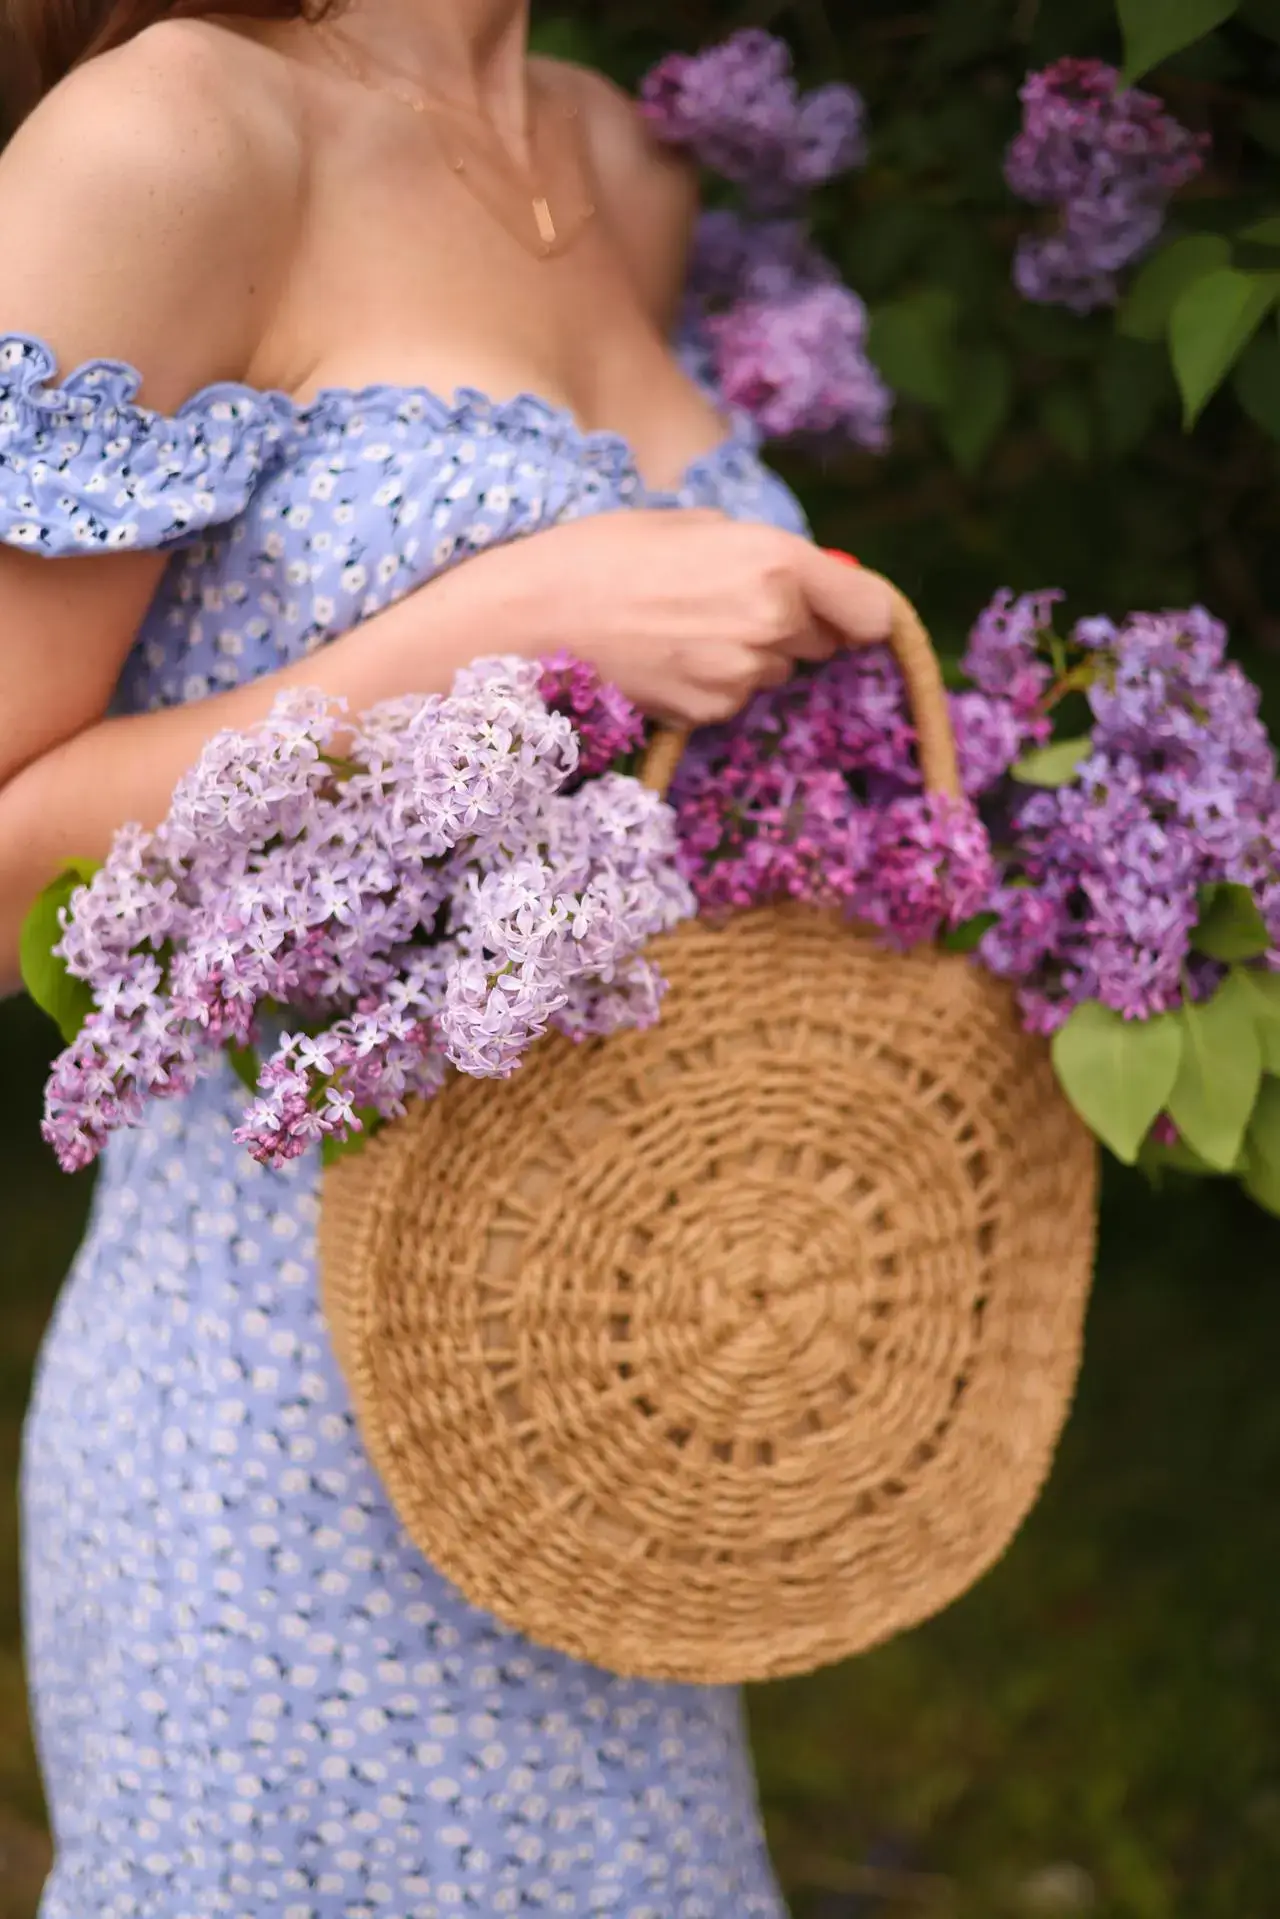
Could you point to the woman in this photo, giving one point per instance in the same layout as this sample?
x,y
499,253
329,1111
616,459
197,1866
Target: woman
x,y
251,1695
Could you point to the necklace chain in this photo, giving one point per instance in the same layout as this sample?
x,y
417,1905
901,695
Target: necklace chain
x,y
552,238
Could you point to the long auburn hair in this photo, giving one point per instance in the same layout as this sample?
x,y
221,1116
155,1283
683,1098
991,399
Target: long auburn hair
x,y
42,40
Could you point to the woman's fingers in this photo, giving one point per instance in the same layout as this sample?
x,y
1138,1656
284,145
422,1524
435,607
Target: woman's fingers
x,y
858,604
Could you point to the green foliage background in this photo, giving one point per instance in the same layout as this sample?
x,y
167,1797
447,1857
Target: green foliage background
x,y
1096,1729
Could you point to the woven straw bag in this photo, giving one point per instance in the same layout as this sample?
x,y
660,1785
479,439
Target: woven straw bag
x,y
728,1349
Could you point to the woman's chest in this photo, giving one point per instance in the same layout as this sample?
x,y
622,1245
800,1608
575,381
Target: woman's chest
x,y
400,275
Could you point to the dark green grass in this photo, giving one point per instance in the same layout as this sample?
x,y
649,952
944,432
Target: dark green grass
x,y
1107,1700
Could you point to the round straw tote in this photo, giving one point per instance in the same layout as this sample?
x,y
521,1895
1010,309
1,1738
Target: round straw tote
x,y
728,1349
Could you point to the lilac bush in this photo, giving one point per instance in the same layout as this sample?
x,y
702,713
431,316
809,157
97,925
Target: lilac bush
x,y
1109,159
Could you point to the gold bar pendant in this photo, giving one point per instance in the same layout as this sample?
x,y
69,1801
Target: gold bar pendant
x,y
546,225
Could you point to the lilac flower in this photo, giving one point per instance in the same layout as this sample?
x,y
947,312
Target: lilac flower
x,y
800,367
930,867
608,726
432,897
813,793
1004,658
738,108
1109,159
1178,792
830,136
991,734
757,261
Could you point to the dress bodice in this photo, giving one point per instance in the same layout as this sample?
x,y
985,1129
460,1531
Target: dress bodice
x,y
290,523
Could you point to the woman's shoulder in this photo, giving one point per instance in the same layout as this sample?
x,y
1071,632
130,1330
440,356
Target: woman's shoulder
x,y
144,207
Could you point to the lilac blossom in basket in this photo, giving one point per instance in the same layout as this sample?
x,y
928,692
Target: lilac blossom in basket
x,y
410,890
1178,791
1109,159
1096,885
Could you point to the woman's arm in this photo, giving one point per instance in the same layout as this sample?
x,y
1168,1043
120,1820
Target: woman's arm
x,y
144,209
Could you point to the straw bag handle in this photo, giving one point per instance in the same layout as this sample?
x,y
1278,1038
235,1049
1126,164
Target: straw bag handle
x,y
926,696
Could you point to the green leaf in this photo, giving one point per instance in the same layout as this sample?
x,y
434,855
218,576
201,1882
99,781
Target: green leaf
x,y
912,342
67,1001
1118,1073
1212,322
1145,312
1153,29
883,242
244,1064
1178,1158
1261,122
1133,384
1230,926
1257,382
1066,418
981,398
1220,1074
332,1150
967,937
1262,1149
1263,16
1263,233
1055,765
1262,991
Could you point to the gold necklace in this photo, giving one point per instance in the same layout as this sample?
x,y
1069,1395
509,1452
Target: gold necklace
x,y
549,236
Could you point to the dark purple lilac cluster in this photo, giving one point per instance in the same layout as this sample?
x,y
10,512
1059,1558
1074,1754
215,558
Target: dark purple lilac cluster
x,y
1109,158
738,108
814,794
783,337
610,730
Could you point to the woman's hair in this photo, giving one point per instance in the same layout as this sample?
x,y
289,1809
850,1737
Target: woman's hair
x,y
42,40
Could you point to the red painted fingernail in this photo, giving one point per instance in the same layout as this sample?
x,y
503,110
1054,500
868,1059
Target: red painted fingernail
x,y
834,553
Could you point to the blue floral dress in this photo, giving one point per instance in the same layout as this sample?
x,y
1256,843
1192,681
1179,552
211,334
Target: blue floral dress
x,y
251,1693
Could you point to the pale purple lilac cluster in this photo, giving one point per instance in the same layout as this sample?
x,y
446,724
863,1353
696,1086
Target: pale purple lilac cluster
x,y
389,896
1109,159
738,108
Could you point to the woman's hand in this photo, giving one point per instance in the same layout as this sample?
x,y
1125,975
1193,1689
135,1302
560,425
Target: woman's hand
x,y
690,613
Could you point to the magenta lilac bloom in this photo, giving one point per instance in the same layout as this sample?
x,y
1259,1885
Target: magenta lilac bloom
x,y
1109,159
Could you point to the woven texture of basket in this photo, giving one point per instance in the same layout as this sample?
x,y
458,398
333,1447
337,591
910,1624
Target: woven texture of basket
x,y
729,1349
